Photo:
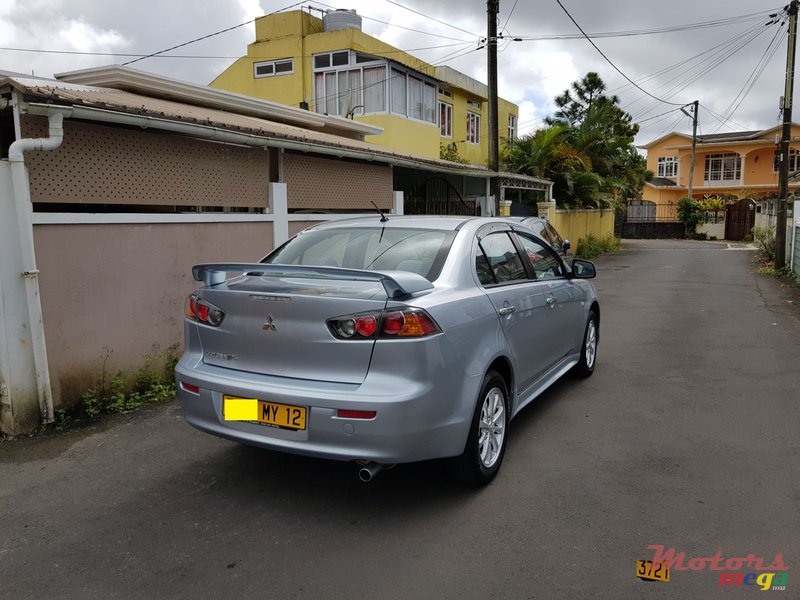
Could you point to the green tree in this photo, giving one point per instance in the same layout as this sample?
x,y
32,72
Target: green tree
x,y
586,149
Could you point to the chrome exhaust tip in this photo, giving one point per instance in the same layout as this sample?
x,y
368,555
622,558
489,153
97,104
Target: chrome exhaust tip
x,y
368,471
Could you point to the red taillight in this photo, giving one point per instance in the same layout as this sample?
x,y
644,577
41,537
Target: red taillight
x,y
191,307
406,323
393,323
190,388
202,311
411,322
355,327
366,326
356,414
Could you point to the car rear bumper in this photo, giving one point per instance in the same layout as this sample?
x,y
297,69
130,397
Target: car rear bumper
x,y
414,421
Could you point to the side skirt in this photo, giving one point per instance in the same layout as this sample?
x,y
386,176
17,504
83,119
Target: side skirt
x,y
529,394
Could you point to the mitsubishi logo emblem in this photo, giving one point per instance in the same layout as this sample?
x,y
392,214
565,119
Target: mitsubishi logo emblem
x,y
269,325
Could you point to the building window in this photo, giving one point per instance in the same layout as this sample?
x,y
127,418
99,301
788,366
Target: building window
x,y
446,93
794,161
668,166
446,119
348,83
512,127
332,59
723,167
473,128
271,68
412,97
344,90
473,104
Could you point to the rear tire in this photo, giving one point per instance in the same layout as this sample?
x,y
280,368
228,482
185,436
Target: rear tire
x,y
486,442
585,366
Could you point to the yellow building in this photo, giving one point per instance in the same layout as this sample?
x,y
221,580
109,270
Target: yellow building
x,y
741,164
330,66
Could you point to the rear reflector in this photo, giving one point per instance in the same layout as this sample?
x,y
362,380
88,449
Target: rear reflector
x,y
194,389
356,414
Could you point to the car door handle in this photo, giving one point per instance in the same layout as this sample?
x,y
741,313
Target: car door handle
x,y
505,311
551,301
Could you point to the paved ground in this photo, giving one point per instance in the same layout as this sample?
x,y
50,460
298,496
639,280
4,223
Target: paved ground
x,y
686,436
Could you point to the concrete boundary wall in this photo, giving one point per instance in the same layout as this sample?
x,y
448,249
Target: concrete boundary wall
x,y
574,225
114,284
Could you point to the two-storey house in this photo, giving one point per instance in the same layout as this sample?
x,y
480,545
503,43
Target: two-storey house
x,y
330,66
741,164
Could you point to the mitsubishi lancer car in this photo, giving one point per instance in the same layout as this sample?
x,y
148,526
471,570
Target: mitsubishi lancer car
x,y
387,340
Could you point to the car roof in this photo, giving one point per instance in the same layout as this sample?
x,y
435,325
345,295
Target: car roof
x,y
452,223
529,219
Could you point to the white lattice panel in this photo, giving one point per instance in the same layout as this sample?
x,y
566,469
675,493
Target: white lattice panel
x,y
117,165
322,183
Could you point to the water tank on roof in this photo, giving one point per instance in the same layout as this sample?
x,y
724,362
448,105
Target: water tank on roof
x,y
341,18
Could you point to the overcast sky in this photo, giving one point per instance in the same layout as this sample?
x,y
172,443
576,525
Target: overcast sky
x,y
531,72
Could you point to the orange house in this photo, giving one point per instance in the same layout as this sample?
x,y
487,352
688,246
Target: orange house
x,y
741,164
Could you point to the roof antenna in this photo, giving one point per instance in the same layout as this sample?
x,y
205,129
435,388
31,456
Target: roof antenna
x,y
380,212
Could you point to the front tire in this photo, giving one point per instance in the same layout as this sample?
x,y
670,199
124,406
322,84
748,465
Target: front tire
x,y
585,366
486,442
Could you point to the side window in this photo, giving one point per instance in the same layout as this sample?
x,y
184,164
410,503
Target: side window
x,y
482,267
504,260
554,239
545,264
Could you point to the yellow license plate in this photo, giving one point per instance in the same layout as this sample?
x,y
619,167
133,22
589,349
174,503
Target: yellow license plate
x,y
285,416
647,571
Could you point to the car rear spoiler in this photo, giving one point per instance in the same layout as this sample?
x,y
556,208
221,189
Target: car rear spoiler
x,y
396,283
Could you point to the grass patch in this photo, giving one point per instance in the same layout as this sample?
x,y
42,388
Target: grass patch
x,y
153,382
592,245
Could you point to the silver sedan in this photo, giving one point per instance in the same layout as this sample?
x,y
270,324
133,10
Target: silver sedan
x,y
387,341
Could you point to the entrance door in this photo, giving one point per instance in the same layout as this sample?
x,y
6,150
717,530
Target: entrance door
x,y
739,219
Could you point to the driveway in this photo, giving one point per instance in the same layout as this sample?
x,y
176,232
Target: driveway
x,y
685,437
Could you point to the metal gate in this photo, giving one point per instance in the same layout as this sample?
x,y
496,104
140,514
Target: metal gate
x,y
641,211
437,196
739,219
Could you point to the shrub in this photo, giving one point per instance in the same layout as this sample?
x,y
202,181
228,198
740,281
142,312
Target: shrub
x,y
592,245
690,214
151,384
765,239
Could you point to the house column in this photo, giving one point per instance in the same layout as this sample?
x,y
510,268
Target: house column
x,y
279,206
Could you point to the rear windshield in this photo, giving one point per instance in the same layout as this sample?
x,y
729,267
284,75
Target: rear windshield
x,y
420,251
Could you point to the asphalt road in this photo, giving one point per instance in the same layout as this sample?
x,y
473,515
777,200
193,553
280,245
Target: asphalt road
x,y
686,436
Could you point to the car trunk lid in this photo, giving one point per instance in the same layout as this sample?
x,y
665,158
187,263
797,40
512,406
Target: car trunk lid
x,y
275,319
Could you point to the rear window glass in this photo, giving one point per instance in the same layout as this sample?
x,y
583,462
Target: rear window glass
x,y
419,251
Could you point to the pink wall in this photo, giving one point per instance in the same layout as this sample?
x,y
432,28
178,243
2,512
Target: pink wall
x,y
121,287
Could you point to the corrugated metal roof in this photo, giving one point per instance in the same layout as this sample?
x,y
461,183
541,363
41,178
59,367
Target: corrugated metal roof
x,y
68,94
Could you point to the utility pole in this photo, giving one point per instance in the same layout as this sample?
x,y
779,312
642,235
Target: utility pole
x,y
492,8
695,107
786,138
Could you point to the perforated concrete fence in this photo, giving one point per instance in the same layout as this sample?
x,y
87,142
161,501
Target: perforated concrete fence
x,y
98,164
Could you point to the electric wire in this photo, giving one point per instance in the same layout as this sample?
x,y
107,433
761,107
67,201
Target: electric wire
x,y
220,57
205,37
652,31
750,82
720,119
432,18
436,35
511,12
721,53
617,69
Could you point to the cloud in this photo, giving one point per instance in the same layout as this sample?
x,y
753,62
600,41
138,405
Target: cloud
x,y
531,73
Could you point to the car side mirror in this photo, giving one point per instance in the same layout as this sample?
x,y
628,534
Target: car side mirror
x,y
566,246
583,269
